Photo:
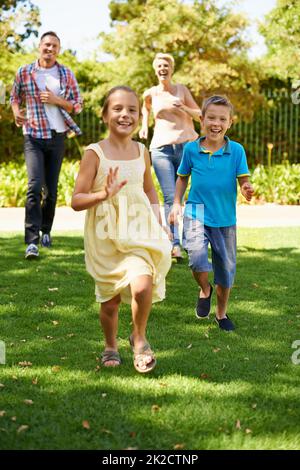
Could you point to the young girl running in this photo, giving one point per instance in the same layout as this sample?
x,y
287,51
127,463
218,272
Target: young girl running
x,y
127,251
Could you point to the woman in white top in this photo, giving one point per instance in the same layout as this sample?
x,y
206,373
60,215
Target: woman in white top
x,y
174,109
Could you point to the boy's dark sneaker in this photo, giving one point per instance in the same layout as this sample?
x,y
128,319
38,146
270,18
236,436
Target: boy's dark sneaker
x,y
32,251
46,240
203,306
225,323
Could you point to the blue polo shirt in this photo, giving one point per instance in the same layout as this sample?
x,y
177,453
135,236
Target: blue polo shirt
x,y
213,181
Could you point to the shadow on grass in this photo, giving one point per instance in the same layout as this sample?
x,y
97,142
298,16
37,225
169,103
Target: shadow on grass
x,y
264,303
48,317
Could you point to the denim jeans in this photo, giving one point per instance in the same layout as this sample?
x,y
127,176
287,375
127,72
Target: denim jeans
x,y
197,237
43,159
166,161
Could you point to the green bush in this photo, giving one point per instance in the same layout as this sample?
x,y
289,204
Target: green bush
x,y
13,184
66,183
279,184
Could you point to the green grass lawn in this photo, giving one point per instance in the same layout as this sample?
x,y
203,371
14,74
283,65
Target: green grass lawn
x,y
210,390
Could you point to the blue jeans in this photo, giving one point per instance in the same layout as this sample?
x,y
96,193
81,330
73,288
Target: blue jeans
x,y
222,240
43,161
166,161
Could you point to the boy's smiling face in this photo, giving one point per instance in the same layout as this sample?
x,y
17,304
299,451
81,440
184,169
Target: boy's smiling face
x,y
215,123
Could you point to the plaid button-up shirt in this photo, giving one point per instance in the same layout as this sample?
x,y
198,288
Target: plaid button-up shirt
x,y
26,90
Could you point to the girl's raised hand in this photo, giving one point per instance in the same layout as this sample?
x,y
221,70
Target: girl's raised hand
x,y
113,186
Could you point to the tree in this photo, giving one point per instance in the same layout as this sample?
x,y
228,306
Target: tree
x,y
120,11
13,14
281,30
206,41
18,20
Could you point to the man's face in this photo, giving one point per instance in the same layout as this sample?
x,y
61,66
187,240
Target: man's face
x,y
49,49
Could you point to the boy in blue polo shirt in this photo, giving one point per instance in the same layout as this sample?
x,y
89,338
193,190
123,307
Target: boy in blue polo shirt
x,y
214,163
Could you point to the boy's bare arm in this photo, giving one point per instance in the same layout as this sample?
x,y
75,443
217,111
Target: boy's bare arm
x,y
246,187
181,185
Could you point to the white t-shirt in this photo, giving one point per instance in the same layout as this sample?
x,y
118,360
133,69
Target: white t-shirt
x,y
50,78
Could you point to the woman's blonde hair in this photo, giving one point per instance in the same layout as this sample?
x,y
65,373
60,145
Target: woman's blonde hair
x,y
167,57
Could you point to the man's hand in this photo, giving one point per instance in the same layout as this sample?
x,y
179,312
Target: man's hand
x,y
247,191
113,186
176,212
20,117
48,97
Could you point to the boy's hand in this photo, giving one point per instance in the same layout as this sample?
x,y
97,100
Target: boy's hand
x,y
176,212
247,191
113,186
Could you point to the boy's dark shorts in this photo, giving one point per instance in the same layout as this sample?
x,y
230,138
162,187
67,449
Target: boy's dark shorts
x,y
196,238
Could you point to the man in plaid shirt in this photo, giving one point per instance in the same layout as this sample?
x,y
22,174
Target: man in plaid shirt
x,y
50,93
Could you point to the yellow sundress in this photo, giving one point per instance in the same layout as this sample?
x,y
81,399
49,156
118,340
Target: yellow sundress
x,y
122,237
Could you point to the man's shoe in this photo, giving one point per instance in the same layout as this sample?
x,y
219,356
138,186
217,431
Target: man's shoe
x,y
225,323
46,240
203,306
32,251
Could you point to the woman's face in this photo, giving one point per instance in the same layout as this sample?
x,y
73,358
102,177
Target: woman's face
x,y
163,70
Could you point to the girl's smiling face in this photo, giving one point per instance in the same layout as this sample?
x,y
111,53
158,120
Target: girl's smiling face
x,y
122,114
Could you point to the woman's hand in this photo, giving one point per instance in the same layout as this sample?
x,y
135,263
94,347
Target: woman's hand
x,y
113,186
177,103
143,134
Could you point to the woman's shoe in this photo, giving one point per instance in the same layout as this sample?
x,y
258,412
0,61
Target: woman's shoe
x,y
176,253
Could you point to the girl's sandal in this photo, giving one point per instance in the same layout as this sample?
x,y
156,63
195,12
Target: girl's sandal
x,y
139,357
108,356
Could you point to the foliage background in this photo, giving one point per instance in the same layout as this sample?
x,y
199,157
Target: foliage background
x,y
211,51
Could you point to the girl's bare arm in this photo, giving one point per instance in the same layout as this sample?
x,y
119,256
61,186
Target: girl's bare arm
x,y
82,197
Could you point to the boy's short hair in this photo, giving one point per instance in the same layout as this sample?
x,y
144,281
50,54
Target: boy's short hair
x,y
219,100
168,57
50,33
